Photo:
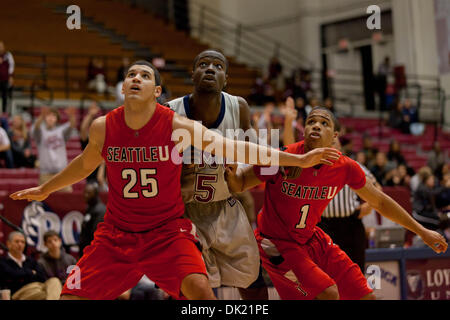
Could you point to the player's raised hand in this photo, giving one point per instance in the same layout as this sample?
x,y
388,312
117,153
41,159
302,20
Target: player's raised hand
x,y
30,194
434,240
319,156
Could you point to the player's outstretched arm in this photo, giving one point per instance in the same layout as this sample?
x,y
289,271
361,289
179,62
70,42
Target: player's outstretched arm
x,y
386,206
188,132
78,169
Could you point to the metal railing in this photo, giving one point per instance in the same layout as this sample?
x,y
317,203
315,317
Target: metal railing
x,y
247,42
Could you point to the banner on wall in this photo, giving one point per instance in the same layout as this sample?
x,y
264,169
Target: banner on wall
x,y
428,279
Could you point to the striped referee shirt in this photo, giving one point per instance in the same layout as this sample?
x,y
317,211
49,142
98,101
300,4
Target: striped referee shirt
x,y
344,204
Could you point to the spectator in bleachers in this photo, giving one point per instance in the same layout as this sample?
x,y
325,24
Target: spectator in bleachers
x,y
6,75
410,115
276,78
396,116
436,158
424,203
394,154
361,158
298,86
55,261
417,179
23,275
5,149
443,196
398,177
313,102
92,217
301,110
369,150
347,147
257,96
328,103
51,142
123,69
381,168
96,78
383,71
20,143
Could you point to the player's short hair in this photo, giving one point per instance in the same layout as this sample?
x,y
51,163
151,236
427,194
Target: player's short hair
x,y
50,233
337,125
214,50
148,64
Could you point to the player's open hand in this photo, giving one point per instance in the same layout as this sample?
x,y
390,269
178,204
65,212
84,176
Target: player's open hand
x,y
319,156
30,194
435,241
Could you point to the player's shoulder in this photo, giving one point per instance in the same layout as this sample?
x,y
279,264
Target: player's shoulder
x,y
347,161
174,102
98,123
296,147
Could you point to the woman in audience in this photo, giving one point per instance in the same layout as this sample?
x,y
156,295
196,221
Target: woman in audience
x,y
20,143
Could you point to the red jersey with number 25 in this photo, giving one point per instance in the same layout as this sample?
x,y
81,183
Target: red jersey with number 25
x,y
293,207
143,181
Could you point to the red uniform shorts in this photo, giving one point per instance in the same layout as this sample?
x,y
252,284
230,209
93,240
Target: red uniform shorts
x,y
116,260
301,272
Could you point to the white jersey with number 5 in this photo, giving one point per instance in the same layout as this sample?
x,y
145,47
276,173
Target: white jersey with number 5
x,y
205,182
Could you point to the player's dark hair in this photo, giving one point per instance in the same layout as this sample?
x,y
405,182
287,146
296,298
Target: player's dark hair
x,y
214,50
49,234
148,64
337,125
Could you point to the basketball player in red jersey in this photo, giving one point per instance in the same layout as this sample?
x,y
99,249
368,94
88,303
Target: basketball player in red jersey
x,y
301,259
143,230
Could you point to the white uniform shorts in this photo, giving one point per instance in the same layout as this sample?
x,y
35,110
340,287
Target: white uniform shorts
x,y
229,246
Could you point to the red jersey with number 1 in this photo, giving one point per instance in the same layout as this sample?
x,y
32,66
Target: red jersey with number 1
x,y
293,207
143,181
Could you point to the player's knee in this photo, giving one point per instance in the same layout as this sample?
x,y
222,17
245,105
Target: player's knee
x,y
196,287
330,293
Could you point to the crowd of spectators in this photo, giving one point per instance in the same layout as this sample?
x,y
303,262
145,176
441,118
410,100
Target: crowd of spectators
x,y
275,87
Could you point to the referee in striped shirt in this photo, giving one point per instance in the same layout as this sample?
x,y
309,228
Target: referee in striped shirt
x,y
341,220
